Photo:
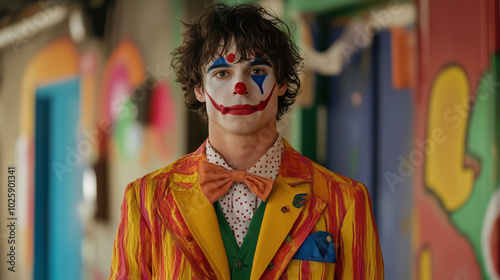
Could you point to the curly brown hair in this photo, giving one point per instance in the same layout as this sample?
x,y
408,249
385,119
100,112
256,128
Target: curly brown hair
x,y
253,30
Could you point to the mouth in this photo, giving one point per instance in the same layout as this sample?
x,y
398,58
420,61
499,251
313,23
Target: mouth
x,y
243,109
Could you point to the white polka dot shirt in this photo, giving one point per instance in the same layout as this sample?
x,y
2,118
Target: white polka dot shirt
x,y
239,203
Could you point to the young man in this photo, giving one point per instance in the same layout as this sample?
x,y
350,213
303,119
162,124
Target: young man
x,y
245,205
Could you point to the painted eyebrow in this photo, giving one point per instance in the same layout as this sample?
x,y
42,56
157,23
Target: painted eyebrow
x,y
257,61
219,63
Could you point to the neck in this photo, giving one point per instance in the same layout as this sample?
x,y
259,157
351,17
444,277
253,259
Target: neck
x,y
242,151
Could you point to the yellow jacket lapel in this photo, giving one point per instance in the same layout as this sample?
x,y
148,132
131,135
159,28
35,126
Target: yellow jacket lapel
x,y
278,219
200,218
291,193
186,211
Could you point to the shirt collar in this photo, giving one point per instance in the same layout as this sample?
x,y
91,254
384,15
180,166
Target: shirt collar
x,y
267,166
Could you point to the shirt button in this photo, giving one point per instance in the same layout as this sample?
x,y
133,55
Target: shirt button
x,y
189,238
238,264
270,266
288,239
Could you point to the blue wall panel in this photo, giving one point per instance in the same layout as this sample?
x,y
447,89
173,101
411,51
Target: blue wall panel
x,y
42,169
57,128
395,134
351,117
369,130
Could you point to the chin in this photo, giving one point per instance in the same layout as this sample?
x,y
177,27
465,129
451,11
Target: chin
x,y
242,124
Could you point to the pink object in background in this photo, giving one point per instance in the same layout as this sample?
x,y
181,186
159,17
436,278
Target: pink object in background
x,y
163,119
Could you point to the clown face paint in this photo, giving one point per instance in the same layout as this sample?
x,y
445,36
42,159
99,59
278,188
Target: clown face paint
x,y
259,79
241,96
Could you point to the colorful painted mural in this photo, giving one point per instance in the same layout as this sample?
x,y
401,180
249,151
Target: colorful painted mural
x,y
424,135
456,186
137,108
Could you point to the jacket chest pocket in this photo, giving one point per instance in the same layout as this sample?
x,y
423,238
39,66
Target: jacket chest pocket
x,y
299,269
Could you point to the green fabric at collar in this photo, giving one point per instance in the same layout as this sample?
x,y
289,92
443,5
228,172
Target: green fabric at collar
x,y
240,258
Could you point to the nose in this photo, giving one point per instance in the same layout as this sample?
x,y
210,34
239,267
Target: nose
x,y
240,88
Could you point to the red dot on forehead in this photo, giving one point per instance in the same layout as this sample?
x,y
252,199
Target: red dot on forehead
x,y
231,57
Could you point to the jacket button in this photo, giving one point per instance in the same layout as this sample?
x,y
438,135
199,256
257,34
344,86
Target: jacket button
x,y
270,266
238,264
284,209
288,239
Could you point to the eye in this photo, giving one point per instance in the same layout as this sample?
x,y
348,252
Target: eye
x,y
220,74
257,71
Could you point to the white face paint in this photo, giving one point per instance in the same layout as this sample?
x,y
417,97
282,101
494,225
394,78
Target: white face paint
x,y
240,97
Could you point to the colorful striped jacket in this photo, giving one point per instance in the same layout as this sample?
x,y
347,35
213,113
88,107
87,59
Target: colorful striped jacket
x,y
169,230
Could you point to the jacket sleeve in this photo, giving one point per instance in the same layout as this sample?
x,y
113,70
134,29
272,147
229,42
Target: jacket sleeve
x,y
361,256
132,246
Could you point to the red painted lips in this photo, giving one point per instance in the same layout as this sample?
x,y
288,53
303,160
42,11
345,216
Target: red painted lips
x,y
244,109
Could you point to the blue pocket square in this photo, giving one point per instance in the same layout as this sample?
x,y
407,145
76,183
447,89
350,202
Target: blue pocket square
x,y
317,247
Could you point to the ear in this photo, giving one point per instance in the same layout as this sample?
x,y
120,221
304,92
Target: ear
x,y
200,95
282,88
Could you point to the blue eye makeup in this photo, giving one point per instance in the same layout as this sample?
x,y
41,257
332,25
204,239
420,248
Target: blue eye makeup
x,y
257,61
219,63
259,79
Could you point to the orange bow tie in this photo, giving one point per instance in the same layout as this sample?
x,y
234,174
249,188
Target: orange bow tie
x,y
216,180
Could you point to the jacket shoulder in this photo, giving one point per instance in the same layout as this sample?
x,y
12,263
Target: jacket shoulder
x,y
331,186
158,182
325,184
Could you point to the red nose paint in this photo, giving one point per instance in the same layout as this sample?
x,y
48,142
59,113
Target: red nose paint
x,y
240,88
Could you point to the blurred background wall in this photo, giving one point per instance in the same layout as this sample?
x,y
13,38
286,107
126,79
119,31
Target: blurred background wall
x,y
401,95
